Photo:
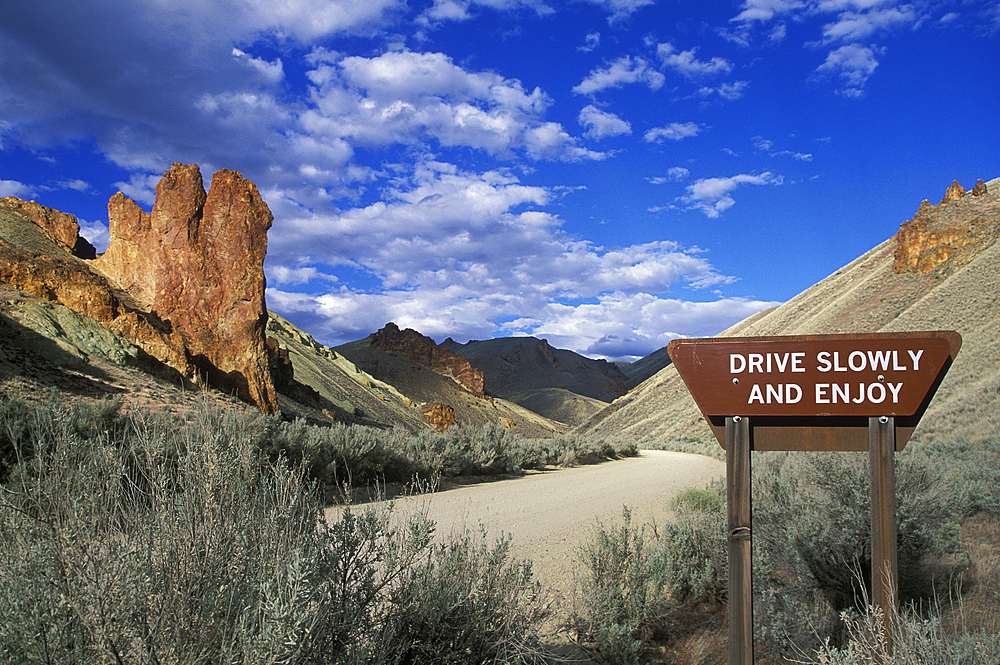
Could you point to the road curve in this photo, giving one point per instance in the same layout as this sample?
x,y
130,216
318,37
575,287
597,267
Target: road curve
x,y
549,515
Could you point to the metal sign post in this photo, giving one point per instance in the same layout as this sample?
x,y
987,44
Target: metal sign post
x,y
885,574
739,513
820,393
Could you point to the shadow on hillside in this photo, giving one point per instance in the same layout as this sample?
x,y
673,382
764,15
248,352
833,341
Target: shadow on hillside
x,y
34,357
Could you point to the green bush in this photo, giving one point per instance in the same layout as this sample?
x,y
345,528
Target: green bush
x,y
465,602
619,590
690,554
135,538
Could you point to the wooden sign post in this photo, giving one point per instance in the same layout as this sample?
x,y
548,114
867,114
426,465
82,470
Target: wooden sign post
x,y
813,392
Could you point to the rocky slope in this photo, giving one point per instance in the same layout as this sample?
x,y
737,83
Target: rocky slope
x,y
558,384
426,387
941,271
197,261
175,309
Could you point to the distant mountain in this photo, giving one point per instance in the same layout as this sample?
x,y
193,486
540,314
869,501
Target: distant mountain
x,y
941,271
431,375
556,383
640,370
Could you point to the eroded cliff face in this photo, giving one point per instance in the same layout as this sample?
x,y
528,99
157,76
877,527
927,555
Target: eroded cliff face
x,y
949,235
197,262
423,350
61,227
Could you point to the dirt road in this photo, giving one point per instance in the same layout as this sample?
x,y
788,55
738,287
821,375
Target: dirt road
x,y
549,515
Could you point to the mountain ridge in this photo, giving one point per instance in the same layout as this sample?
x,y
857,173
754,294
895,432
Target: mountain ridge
x,y
875,292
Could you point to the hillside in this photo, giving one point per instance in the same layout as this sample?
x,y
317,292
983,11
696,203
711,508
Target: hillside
x,y
425,386
556,383
173,313
940,272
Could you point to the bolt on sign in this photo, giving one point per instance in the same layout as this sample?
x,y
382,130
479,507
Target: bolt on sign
x,y
814,392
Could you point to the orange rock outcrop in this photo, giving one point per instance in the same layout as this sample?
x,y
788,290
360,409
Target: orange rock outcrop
x,y
197,262
423,350
440,416
949,235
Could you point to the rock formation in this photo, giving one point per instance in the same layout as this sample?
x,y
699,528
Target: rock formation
x,y
440,416
32,260
423,350
197,262
947,236
60,226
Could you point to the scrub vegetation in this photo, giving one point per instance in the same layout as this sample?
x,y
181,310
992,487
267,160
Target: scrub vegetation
x,y
140,538
135,538
659,591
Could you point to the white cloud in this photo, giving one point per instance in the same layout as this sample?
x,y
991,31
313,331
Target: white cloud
x,y
685,62
623,71
727,91
858,26
96,233
675,131
593,40
634,325
674,174
14,188
712,195
462,10
272,72
620,9
406,97
450,250
141,188
601,124
853,64
765,10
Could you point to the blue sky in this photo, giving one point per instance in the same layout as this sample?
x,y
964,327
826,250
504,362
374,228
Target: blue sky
x,y
606,174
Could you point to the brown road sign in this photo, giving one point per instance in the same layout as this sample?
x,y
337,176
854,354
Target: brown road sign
x,y
812,392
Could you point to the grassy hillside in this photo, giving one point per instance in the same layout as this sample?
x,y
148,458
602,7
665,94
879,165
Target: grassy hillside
x,y
866,295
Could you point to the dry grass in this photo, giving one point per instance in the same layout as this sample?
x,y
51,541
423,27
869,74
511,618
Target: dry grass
x,y
979,605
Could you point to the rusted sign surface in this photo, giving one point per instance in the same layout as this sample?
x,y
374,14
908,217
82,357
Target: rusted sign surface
x,y
821,386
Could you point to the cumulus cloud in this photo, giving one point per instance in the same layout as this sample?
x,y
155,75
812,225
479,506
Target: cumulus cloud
x,y
851,23
712,196
406,97
765,10
451,250
634,325
601,124
854,26
685,62
674,174
14,188
272,72
96,233
619,10
675,131
593,40
623,71
853,64
727,91
462,10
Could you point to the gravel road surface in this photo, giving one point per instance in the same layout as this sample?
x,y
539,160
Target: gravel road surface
x,y
549,515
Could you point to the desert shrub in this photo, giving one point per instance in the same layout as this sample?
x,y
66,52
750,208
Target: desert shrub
x,y
690,552
970,471
619,590
153,541
465,602
467,452
16,425
916,640
820,504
